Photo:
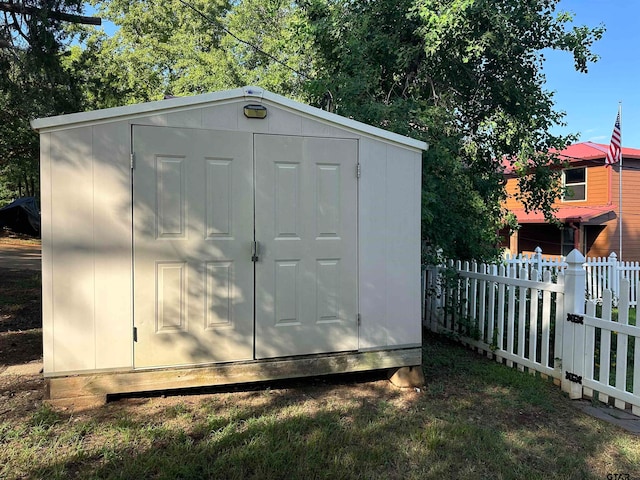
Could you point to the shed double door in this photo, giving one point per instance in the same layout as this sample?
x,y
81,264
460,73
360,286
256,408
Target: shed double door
x,y
203,201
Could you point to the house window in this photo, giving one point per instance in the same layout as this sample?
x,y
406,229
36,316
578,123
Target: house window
x,y
575,182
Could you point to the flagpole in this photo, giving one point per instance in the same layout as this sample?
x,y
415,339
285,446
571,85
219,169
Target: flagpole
x,y
620,185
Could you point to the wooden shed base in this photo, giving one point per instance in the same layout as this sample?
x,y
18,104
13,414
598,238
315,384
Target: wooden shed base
x,y
87,390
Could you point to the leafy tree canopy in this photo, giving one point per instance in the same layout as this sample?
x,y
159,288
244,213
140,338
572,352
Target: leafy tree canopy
x,y
466,76
180,48
33,83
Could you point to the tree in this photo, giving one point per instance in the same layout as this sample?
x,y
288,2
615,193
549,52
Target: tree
x,y
33,83
184,47
465,76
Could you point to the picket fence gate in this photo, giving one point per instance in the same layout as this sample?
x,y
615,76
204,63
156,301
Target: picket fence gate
x,y
602,272
542,323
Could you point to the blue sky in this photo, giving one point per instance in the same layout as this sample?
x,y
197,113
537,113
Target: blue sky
x,y
591,100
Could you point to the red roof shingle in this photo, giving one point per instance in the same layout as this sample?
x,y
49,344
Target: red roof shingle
x,y
564,214
584,151
593,151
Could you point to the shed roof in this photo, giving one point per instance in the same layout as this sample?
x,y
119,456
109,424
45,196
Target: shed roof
x,y
256,94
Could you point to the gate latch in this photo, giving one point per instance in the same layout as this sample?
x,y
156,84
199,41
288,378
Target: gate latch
x,y
572,377
573,318
255,251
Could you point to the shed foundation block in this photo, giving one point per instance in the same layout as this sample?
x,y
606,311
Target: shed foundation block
x,y
407,377
89,390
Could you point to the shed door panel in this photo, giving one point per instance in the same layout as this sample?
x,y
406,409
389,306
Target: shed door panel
x,y
306,224
193,228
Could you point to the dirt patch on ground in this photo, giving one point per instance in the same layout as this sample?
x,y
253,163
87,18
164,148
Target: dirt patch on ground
x,y
20,301
20,347
18,252
7,237
20,334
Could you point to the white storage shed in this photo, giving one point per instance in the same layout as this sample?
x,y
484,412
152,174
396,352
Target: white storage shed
x,y
226,237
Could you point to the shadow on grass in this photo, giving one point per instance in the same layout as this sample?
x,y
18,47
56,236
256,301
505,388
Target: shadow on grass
x,y
20,347
20,300
476,419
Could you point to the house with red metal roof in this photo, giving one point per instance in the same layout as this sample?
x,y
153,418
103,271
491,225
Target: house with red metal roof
x,y
590,211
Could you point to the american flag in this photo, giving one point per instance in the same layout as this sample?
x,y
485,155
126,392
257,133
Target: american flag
x,y
614,155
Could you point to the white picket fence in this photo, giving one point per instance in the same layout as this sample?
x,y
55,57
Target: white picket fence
x,y
539,323
602,272
606,341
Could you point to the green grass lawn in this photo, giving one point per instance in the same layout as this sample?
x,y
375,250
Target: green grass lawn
x,y
475,419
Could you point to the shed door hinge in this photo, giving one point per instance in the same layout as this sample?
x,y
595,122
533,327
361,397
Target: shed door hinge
x,y
135,334
572,377
358,172
255,251
359,319
133,161
573,318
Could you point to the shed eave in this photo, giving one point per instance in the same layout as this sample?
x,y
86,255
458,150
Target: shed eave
x,y
157,107
344,122
160,107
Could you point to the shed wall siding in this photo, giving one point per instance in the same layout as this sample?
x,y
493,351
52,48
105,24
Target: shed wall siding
x,y
112,246
389,245
45,231
403,248
72,250
87,249
230,117
372,197
86,231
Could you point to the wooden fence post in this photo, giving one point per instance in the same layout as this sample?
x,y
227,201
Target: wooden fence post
x,y
572,326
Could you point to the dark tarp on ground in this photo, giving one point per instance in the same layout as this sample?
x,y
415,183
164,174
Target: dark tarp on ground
x,y
21,216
